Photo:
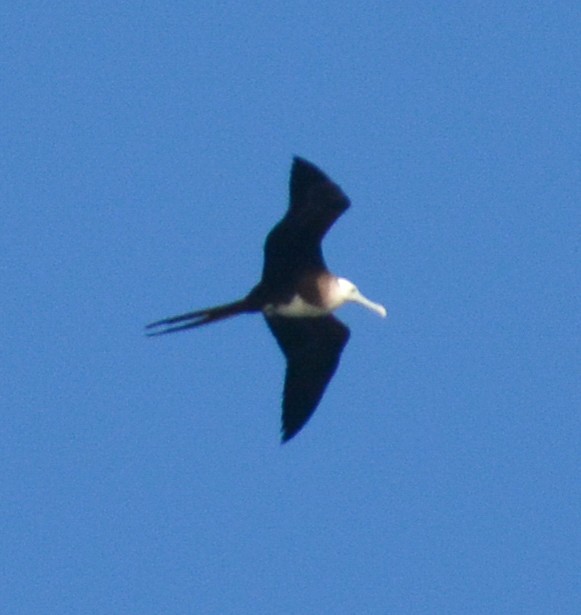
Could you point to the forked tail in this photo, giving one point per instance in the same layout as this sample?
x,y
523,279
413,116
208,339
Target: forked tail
x,y
199,318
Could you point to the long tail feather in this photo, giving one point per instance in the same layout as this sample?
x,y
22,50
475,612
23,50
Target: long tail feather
x,y
199,318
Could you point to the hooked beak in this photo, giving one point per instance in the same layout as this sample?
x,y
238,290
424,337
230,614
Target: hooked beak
x,y
370,305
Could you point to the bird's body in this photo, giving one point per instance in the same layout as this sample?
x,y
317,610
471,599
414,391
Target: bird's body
x,y
297,295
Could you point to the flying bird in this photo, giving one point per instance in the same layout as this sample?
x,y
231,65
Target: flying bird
x,y
297,295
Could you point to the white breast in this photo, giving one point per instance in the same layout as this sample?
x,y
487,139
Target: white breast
x,y
297,308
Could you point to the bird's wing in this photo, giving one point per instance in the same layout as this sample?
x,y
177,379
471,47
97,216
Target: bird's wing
x,y
294,244
312,347
314,196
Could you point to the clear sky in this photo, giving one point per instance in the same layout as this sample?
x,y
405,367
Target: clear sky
x,y
145,154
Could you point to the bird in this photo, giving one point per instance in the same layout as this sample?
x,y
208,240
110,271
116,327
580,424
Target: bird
x,y
297,295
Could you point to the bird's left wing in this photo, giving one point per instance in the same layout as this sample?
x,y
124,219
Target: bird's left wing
x,y
312,347
294,244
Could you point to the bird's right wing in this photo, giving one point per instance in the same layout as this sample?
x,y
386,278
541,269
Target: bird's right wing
x,y
312,347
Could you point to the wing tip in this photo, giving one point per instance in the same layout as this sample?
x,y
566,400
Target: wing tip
x,y
307,178
302,164
287,434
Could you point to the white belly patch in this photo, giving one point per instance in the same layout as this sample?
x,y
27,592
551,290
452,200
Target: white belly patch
x,y
297,308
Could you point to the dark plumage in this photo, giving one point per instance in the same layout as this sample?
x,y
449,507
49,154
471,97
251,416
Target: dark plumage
x,y
297,295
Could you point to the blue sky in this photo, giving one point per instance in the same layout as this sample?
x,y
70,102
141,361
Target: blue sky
x,y
146,151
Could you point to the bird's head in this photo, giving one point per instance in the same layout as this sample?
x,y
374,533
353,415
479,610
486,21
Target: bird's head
x,y
350,292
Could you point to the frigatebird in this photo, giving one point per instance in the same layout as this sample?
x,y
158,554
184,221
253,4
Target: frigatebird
x,y
297,295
